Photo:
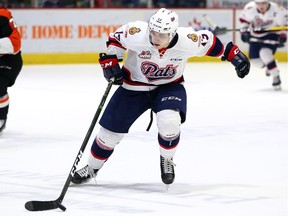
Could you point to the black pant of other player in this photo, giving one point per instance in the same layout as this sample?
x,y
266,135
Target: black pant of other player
x,y
10,67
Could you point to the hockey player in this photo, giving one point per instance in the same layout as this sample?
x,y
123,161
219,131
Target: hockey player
x,y
10,60
152,78
262,14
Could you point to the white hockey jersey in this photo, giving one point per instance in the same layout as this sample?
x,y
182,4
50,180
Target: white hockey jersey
x,y
276,15
146,66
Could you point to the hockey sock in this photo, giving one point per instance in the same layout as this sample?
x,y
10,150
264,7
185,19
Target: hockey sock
x,y
168,143
99,151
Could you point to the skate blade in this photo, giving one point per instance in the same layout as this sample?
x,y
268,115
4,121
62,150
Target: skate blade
x,y
277,88
95,181
166,186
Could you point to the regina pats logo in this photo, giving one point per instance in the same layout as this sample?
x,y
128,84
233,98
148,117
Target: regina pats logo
x,y
134,30
193,37
154,72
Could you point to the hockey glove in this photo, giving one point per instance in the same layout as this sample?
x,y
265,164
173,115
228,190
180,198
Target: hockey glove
x,y
237,58
111,68
245,35
282,40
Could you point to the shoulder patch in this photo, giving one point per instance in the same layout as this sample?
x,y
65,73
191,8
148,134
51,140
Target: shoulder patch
x,y
193,37
134,30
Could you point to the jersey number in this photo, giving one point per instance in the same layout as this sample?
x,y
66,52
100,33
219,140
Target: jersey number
x,y
12,22
117,35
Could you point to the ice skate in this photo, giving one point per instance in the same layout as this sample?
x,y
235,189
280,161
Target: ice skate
x,y
276,83
2,125
167,170
84,175
267,73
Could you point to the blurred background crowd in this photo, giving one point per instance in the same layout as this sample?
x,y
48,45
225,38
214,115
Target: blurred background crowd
x,y
101,3
127,3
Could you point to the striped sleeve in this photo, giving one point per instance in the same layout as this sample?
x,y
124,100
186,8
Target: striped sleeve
x,y
216,49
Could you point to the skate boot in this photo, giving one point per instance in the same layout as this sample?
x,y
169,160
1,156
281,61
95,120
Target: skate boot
x,y
2,125
267,73
276,83
84,175
167,170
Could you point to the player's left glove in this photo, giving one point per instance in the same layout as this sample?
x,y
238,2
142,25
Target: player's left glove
x,y
237,58
282,40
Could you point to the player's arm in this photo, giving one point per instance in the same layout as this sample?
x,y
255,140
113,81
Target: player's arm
x,y
110,62
10,39
6,46
282,20
116,42
247,15
230,53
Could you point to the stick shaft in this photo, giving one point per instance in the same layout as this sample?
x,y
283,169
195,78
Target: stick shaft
x,y
214,25
277,28
47,205
85,141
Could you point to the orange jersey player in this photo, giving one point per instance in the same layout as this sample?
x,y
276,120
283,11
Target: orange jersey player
x,y
10,60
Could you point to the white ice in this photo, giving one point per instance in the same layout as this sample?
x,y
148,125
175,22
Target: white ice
x,y
232,159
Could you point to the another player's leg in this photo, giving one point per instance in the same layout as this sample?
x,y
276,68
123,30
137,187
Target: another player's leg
x,y
102,148
2,125
276,81
4,103
267,56
168,122
10,67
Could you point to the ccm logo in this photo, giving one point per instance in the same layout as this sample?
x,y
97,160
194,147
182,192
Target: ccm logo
x,y
236,51
107,64
171,98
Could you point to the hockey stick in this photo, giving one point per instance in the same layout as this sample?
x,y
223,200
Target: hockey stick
x,y
54,204
274,42
218,30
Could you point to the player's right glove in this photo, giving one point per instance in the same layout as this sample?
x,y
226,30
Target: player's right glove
x,y
111,68
237,58
245,35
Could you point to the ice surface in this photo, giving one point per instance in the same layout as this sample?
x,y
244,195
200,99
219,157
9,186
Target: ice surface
x,y
232,159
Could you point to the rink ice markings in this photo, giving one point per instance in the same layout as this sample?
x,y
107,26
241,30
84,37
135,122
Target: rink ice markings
x,y
183,194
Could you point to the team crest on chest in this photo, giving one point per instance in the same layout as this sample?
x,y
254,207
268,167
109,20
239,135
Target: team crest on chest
x,y
134,30
193,37
153,72
145,55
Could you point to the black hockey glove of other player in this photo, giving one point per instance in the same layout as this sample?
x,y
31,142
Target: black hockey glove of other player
x,y
111,68
245,35
237,58
282,40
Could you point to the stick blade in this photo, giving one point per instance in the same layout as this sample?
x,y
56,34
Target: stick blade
x,y
43,205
